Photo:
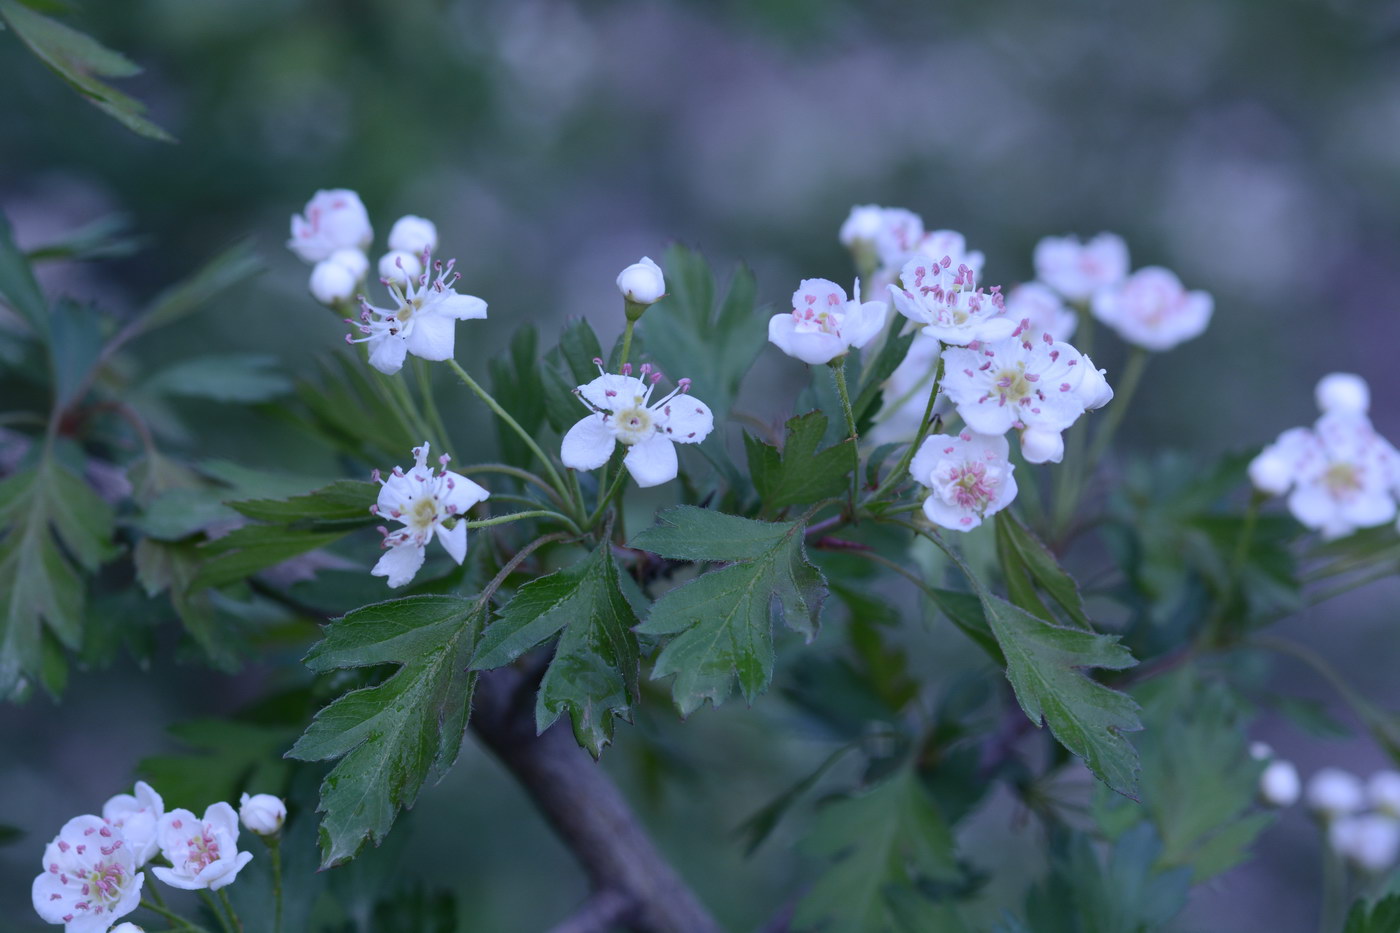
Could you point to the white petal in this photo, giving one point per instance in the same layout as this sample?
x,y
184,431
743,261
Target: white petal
x,y
462,307
49,908
950,516
399,563
611,391
387,354
588,445
176,879
222,816
686,420
454,540
652,462
930,452
864,322
227,876
1042,446
463,493
432,337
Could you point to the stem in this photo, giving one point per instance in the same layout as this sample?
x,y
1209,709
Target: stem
x,y
838,374
925,425
626,343
214,909
1127,388
505,416
518,473
274,845
490,589
1373,719
1217,617
606,499
425,389
223,899
1333,884
180,922
520,516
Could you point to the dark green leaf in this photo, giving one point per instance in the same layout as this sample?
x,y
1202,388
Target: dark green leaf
x,y
183,511
570,365
247,550
235,377
75,342
103,238
219,274
17,285
761,824
1381,916
1023,555
515,377
343,504
866,404
799,474
722,621
227,757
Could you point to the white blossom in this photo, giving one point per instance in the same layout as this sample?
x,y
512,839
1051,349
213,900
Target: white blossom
x,y
400,266
1077,270
1040,311
1343,475
263,814
1014,383
1094,391
136,816
946,300
1383,792
899,235
423,320
1370,841
642,282
1261,751
331,282
823,324
334,219
1276,468
968,478
90,877
412,234
424,503
1343,392
621,412
203,853
1152,309
862,225
1334,793
1279,784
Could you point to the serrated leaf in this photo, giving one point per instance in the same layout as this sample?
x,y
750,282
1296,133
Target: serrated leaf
x,y
393,737
349,412
247,550
343,504
723,620
75,342
1025,560
232,377
569,365
594,672
882,841
18,286
515,378
798,474
1046,665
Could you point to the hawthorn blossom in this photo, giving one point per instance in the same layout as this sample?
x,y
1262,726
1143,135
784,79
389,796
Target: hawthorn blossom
x,y
1041,311
400,266
423,502
1279,784
136,816
899,234
1153,310
946,300
203,853
939,243
263,814
422,322
642,282
1370,841
334,219
411,234
1383,792
968,478
1333,793
90,877
862,226
1017,383
335,278
622,412
1342,392
1077,270
823,324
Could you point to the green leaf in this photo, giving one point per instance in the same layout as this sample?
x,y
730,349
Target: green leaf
x,y
348,411
866,405
234,265
343,504
1025,559
247,550
393,737
732,331
515,377
183,511
722,621
18,287
1045,664
594,672
761,824
103,238
233,377
798,474
885,840
570,365
1381,916
80,60
75,343
10,834
226,757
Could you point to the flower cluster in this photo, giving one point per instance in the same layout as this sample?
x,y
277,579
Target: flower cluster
x,y
1340,474
92,870
1362,820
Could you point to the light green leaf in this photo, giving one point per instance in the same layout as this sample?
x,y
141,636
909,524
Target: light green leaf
x,y
722,621
593,675
798,474
247,550
234,377
393,737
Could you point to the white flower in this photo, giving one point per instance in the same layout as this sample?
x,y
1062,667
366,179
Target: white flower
x,y
1040,311
423,322
127,928
899,235
906,392
332,282
89,878
1383,792
622,412
400,266
938,244
1152,310
412,234
137,817
203,853
263,814
1261,751
1017,384
642,282
1344,481
823,324
1370,842
968,478
1334,793
1343,392
862,225
1078,270
1276,467
946,300
1279,785
335,219
422,502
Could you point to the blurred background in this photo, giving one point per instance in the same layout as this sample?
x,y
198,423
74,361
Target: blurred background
x,y
1252,146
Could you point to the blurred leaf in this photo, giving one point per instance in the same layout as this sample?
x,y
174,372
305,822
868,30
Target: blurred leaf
x,y
219,274
1382,916
17,285
1045,664
1025,559
171,566
80,60
181,512
798,474
515,379
351,413
569,365
732,331
343,504
10,835
593,674
761,824
1309,715
226,757
75,343
393,737
886,839
247,550
723,619
101,239
234,377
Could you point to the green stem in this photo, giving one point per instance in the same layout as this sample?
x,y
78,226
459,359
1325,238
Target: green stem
x,y
1212,633
214,909
925,425
274,844
1127,388
626,343
180,922
1333,887
233,917
838,374
425,390
519,557
603,502
521,516
1376,722
518,473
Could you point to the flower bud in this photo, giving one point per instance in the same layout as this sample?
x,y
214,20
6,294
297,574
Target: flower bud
x,y
1041,446
863,225
1334,793
353,259
1370,842
1383,792
127,928
642,283
332,282
1279,785
1261,751
263,814
399,265
412,234
1343,392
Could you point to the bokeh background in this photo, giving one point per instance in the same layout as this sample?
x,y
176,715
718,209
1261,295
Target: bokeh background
x,y
1252,146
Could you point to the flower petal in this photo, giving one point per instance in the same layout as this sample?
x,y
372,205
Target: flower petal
x,y
864,322
432,337
611,392
226,877
461,493
588,445
399,563
454,539
652,462
462,307
387,354
686,420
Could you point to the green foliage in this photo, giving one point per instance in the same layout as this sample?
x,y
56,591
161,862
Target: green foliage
x,y
593,674
1382,916
515,379
887,839
17,284
1045,663
866,404
1027,563
235,377
722,621
228,757
798,474
392,737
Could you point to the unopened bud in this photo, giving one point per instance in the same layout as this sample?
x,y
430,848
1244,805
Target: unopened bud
x,y
412,234
642,284
263,814
332,282
1041,446
1343,392
1279,785
400,265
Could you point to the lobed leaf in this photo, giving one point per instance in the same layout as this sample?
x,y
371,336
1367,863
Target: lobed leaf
x,y
799,474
